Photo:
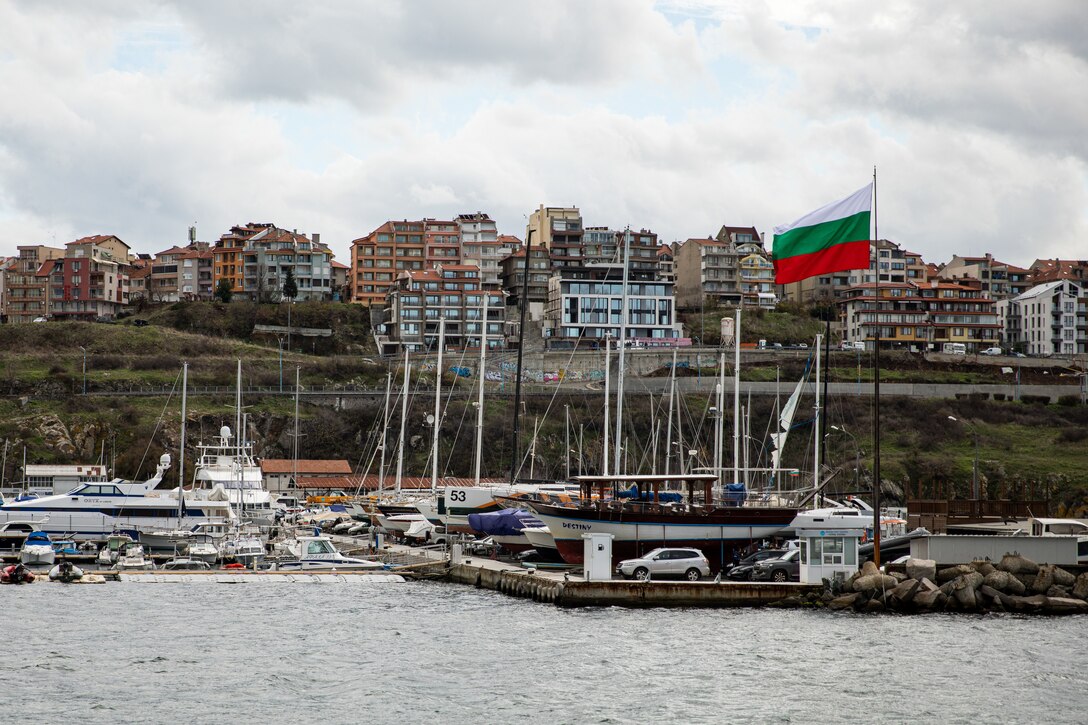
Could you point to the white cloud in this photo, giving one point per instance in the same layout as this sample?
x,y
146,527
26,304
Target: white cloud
x,y
708,113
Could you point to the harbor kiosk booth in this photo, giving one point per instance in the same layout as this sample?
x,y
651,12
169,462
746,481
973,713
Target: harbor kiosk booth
x,y
829,541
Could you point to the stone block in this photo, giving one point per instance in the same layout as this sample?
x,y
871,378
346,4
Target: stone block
x,y
1016,564
846,601
1064,605
1080,587
947,575
921,569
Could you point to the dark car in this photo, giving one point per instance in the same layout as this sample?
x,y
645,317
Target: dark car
x,y
786,568
141,323
742,572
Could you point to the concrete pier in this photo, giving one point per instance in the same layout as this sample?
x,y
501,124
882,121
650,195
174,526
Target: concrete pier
x,y
565,589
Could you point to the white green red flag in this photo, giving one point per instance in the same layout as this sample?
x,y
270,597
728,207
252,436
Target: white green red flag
x,y
834,238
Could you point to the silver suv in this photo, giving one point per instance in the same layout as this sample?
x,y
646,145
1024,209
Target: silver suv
x,y
688,564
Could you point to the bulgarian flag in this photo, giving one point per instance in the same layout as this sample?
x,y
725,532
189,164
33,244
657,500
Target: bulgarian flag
x,y
833,238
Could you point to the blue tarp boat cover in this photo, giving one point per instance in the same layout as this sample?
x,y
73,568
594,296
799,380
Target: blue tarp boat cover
x,y
507,522
38,538
338,508
735,493
664,497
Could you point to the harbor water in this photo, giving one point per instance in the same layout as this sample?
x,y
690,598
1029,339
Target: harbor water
x,y
431,652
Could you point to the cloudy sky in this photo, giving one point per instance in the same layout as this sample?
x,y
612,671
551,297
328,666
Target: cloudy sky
x,y
139,119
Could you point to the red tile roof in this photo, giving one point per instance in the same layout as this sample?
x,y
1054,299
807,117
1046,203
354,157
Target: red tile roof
x,y
372,482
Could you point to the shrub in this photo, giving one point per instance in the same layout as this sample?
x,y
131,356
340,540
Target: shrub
x,y
155,362
1069,400
1072,435
1035,399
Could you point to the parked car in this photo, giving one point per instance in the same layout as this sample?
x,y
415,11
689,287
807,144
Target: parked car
x,y
41,319
141,323
991,351
689,564
1018,354
742,571
785,568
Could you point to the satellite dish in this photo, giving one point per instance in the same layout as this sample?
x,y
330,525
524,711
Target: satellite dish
x,y
430,419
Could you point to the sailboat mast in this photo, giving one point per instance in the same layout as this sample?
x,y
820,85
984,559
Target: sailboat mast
x,y
403,421
668,421
623,338
294,451
607,365
816,423
181,452
736,399
385,432
876,392
481,375
719,424
238,408
515,458
438,403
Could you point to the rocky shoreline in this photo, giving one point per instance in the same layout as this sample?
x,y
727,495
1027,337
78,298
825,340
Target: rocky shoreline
x,y
1015,584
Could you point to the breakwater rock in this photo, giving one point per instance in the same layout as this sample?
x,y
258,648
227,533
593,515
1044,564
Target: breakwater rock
x,y
1015,584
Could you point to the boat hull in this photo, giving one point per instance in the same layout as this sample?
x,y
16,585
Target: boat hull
x,y
716,532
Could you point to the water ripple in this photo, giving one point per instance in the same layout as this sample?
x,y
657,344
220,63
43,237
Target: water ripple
x,y
432,652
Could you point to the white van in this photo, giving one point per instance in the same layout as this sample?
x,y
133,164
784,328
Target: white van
x,y
954,348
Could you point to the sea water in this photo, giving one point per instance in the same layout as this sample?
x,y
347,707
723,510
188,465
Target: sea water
x,y
441,653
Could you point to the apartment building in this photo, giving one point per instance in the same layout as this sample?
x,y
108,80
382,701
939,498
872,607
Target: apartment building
x,y
1000,279
195,275
601,245
26,297
587,303
181,273
756,280
513,279
481,245
665,258
441,242
90,281
1048,319
558,230
419,299
1052,270
341,274
922,316
378,258
707,274
255,258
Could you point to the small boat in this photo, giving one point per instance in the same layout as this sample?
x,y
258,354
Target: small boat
x,y
244,549
132,558
67,547
399,523
37,550
111,552
203,551
65,572
186,563
16,574
317,553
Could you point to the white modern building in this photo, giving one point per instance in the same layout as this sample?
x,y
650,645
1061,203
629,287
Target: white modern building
x,y
1048,319
587,303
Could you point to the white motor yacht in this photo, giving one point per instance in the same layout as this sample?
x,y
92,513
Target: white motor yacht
x,y
230,464
92,511
317,553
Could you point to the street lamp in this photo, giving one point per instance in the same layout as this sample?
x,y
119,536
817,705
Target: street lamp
x,y
857,454
974,470
84,368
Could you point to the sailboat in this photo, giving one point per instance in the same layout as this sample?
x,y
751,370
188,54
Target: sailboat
x,y
643,512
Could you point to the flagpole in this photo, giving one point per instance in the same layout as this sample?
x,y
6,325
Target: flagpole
x,y
876,391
